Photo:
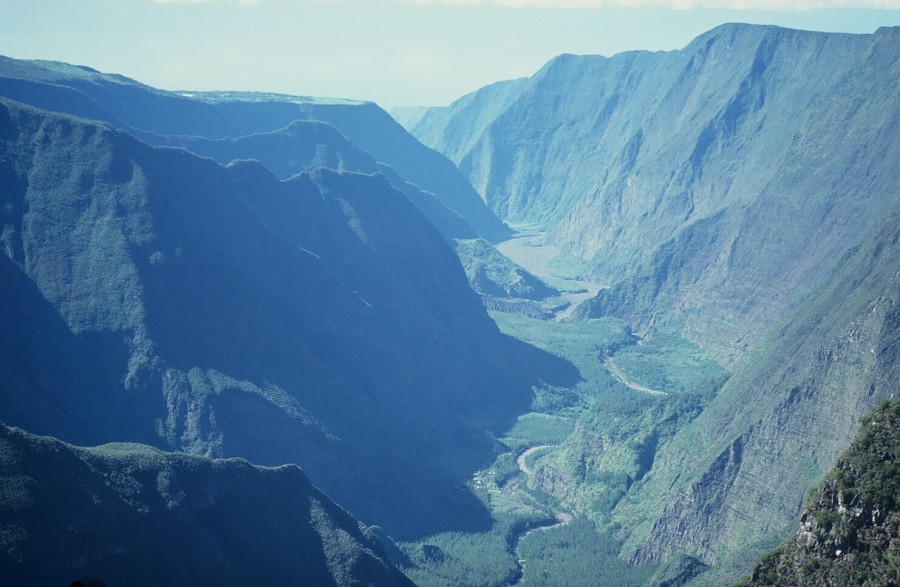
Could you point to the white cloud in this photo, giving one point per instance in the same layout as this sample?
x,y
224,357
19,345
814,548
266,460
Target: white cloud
x,y
785,5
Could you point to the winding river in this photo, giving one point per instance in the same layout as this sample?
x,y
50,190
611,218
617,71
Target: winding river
x,y
562,518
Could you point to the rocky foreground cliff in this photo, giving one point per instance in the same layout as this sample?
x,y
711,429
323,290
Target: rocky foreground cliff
x,y
850,531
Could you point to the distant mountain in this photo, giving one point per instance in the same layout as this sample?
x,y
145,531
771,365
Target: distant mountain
x,y
166,118
454,130
306,145
849,532
132,515
155,296
375,131
712,186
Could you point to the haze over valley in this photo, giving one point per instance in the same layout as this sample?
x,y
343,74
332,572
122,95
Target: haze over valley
x,y
617,323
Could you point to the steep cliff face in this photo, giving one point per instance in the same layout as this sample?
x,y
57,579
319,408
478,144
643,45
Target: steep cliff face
x,y
375,131
204,301
712,185
735,479
441,127
132,515
850,531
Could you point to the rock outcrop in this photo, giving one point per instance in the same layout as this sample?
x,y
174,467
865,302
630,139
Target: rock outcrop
x,y
850,531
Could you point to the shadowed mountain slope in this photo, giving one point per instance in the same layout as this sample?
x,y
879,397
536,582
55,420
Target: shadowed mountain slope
x,y
133,515
218,310
373,130
306,145
159,117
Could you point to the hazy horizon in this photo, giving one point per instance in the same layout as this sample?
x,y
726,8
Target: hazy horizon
x,y
393,52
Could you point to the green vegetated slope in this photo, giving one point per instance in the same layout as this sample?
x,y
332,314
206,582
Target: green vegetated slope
x,y
217,310
732,482
849,529
616,428
193,120
133,515
711,186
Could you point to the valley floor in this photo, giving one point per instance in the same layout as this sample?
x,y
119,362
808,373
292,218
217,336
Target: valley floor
x,y
552,517
529,251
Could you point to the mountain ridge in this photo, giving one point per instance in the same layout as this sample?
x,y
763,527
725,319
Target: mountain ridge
x,y
138,516
159,117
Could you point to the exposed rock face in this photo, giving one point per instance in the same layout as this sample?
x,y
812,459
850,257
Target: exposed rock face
x,y
713,185
850,531
133,515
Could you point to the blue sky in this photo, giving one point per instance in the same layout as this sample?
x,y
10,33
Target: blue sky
x,y
395,52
